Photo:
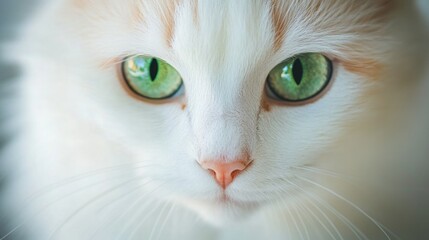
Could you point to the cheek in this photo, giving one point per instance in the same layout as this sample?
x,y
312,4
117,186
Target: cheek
x,y
294,135
156,135
100,99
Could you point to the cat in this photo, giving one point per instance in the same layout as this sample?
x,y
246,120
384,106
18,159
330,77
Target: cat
x,y
198,119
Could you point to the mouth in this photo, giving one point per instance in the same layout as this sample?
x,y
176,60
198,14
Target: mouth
x,y
229,208
222,209
227,201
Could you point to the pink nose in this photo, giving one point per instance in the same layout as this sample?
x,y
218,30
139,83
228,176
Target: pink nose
x,y
224,172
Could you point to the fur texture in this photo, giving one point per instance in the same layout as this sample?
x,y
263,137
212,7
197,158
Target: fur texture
x,y
90,162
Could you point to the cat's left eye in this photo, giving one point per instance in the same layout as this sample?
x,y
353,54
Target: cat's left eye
x,y
151,77
300,78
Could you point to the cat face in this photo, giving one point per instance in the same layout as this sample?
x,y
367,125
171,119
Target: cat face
x,y
225,112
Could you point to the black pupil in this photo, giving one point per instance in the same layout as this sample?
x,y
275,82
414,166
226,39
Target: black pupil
x,y
153,69
297,71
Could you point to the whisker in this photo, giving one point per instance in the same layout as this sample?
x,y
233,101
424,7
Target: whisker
x,y
307,234
142,221
133,217
320,171
276,202
45,206
358,233
72,180
294,221
319,221
289,229
303,211
88,203
348,202
11,232
326,217
124,212
79,177
139,213
158,218
165,220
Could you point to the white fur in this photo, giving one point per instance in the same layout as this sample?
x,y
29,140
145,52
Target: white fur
x,y
77,119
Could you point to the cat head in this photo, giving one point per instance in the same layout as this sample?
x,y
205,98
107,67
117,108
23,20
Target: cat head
x,y
223,132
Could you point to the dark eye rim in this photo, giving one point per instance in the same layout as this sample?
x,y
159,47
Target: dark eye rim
x,y
271,95
132,92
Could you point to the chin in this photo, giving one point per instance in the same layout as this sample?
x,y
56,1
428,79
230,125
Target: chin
x,y
223,211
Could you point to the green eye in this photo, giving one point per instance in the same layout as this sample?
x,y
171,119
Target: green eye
x,y
300,78
151,77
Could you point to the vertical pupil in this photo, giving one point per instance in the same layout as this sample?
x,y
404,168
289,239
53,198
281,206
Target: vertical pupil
x,y
297,71
153,69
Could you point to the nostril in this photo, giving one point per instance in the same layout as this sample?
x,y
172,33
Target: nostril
x,y
212,172
235,173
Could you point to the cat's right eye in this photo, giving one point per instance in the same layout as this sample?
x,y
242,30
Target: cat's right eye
x,y
151,77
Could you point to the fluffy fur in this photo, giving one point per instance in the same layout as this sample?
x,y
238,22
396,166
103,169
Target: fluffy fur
x,y
90,162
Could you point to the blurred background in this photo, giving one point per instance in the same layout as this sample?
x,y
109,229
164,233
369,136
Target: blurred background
x,y
12,14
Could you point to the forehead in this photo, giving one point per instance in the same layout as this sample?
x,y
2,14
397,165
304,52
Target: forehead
x,y
221,33
245,33
223,37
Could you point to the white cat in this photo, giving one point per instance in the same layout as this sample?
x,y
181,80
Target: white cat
x,y
278,119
